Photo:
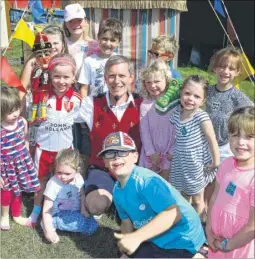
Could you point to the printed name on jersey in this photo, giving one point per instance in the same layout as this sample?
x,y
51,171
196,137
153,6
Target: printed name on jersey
x,y
58,127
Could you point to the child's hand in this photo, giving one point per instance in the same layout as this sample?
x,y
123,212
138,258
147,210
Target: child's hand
x,y
155,158
213,165
128,243
52,237
1,183
217,243
169,157
210,239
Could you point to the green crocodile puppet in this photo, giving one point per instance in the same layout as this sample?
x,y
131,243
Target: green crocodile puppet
x,y
171,98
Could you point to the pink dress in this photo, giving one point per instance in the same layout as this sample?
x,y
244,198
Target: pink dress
x,y
157,135
231,209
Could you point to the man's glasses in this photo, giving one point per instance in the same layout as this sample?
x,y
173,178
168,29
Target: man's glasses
x,y
156,54
113,154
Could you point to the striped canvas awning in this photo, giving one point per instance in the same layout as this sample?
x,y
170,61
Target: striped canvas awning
x,y
179,5
139,25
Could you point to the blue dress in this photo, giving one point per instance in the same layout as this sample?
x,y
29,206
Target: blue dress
x,y
17,167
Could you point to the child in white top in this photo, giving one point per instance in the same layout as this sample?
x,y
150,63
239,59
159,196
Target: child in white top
x,y
194,131
55,133
76,28
63,206
92,72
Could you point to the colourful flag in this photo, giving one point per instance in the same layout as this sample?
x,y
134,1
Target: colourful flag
x,y
8,75
23,32
218,7
246,70
37,11
51,4
231,31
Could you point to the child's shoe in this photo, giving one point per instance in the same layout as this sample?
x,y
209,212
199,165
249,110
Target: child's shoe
x,y
29,223
21,221
5,223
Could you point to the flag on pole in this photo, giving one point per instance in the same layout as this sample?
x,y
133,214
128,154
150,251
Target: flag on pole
x,y
23,32
37,11
231,31
51,4
246,70
218,7
8,75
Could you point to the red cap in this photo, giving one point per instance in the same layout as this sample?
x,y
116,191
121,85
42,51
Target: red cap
x,y
41,42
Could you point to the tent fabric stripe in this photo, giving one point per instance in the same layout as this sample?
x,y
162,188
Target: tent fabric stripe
x,y
180,5
139,27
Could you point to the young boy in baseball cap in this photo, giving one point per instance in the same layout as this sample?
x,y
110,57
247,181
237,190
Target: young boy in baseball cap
x,y
170,228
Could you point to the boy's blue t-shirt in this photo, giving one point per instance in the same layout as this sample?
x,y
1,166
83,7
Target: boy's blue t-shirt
x,y
144,196
175,73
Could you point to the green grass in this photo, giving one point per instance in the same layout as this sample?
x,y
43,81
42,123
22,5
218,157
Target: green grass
x,y
21,242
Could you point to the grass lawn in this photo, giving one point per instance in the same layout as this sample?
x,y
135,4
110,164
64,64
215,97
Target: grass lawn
x,y
21,242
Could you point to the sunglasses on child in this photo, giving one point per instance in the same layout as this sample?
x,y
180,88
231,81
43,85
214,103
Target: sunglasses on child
x,y
113,153
156,54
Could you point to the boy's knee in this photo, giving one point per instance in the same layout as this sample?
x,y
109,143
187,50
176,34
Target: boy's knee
x,y
97,204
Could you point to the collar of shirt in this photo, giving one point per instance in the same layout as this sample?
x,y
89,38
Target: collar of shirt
x,y
68,93
123,105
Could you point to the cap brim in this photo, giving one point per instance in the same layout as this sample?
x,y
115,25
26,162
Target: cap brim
x,y
101,153
76,17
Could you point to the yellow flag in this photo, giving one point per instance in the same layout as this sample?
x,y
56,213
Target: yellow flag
x,y
23,32
246,70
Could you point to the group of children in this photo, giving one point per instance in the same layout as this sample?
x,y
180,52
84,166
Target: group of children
x,y
185,145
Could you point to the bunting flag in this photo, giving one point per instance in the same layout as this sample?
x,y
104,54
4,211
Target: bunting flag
x,y
246,70
51,4
8,75
37,11
24,33
219,8
231,31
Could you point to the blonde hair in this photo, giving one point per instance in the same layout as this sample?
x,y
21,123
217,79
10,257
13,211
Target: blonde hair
x,y
242,119
62,59
167,43
154,67
70,158
226,56
196,79
10,101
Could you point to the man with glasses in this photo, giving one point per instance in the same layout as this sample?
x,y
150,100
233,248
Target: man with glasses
x,y
156,221
117,110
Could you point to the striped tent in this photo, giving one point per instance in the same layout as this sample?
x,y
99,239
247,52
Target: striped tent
x,y
142,21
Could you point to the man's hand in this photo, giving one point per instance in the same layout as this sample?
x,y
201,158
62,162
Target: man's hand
x,y
128,243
